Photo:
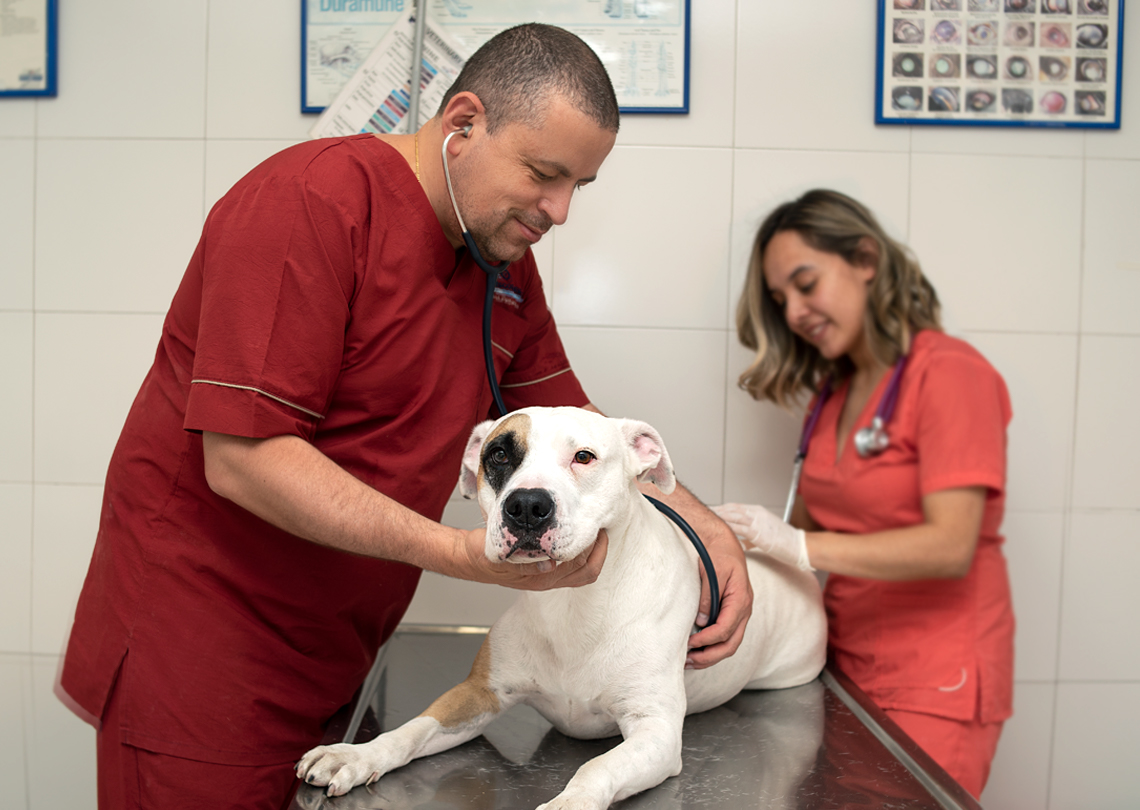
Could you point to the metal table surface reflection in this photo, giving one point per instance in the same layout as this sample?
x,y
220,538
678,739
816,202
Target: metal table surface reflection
x,y
820,745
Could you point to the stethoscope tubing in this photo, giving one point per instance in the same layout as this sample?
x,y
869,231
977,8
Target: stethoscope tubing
x,y
883,414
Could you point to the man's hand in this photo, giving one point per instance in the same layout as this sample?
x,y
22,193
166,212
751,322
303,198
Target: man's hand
x,y
540,576
722,639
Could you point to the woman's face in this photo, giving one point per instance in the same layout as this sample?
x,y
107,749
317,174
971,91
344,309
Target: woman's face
x,y
823,297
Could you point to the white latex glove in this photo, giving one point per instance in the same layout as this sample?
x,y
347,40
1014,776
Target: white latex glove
x,y
758,528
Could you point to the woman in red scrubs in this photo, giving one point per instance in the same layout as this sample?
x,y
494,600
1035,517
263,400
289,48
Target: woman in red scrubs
x,y
917,593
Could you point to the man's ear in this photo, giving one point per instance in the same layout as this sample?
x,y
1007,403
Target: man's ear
x,y
469,472
464,110
648,454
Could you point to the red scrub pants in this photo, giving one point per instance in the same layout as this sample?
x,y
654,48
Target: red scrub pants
x,y
963,749
132,778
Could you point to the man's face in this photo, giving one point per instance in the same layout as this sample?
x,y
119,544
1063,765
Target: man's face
x,y
512,186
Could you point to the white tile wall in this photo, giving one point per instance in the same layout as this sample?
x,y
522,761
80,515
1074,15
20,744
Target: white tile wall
x,y
1040,371
995,233
16,346
1034,551
1100,604
57,736
1095,740
66,522
1106,466
253,73
1111,278
116,222
17,174
15,694
88,370
19,118
16,574
1028,235
760,441
675,275
804,78
128,70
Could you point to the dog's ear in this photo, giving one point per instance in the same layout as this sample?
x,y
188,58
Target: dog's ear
x,y
469,471
650,458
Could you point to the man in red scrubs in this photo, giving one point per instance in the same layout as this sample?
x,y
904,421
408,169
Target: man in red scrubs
x,y
277,486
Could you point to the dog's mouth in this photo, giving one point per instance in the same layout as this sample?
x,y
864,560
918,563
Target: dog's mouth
x,y
523,551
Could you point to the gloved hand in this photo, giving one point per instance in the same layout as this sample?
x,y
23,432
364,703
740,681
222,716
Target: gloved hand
x,y
758,528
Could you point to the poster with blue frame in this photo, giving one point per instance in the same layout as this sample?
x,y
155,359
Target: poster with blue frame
x,y
644,44
28,41
1012,63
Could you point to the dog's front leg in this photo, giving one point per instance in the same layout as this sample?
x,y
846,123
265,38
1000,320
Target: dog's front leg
x,y
459,715
650,754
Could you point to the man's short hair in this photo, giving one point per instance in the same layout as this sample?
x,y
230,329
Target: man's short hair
x,y
519,71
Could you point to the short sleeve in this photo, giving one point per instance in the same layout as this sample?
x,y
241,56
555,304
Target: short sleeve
x,y
277,263
963,413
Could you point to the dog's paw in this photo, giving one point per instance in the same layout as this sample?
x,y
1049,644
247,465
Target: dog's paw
x,y
340,767
567,801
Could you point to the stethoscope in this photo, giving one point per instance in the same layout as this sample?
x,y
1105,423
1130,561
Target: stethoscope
x,y
492,272
869,441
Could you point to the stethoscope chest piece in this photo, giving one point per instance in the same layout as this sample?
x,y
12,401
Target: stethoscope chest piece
x,y
870,441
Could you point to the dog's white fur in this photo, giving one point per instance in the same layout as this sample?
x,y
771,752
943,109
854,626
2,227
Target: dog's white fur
x,y
607,657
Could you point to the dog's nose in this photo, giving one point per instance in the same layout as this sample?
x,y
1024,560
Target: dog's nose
x,y
528,511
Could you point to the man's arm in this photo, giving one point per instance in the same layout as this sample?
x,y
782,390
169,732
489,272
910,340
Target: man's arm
x,y
721,640
289,483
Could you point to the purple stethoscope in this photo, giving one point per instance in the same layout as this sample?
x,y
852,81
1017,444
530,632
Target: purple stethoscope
x,y
869,441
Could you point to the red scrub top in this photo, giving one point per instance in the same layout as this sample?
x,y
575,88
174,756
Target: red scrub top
x,y
938,646
322,301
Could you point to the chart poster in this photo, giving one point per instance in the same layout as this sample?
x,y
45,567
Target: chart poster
x,y
1022,63
28,47
336,37
644,44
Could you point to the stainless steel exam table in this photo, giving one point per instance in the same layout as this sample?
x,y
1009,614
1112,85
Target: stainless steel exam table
x,y
821,745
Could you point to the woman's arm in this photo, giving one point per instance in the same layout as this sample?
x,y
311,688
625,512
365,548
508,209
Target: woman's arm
x,y
941,547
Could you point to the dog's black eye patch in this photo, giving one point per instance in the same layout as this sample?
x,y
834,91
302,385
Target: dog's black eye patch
x,y
501,457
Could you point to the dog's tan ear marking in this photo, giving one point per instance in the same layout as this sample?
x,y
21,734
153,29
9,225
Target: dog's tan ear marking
x,y
469,470
650,458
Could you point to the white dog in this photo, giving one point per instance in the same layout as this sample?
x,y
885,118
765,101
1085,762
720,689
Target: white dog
x,y
604,658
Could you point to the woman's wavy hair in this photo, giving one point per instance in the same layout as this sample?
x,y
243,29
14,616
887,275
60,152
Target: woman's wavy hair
x,y
900,300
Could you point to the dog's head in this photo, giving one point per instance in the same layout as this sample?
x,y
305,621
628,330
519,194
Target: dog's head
x,y
548,479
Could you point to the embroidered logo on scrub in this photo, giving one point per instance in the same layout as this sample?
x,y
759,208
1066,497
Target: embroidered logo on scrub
x,y
507,292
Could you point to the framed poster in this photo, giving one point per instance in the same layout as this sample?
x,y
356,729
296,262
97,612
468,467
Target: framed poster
x,y
28,37
1019,63
644,44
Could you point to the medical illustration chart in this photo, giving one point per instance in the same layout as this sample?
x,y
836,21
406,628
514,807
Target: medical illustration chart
x,y
644,44
1033,63
377,96
27,48
338,35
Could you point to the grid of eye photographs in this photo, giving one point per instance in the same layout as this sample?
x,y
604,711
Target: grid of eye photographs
x,y
999,62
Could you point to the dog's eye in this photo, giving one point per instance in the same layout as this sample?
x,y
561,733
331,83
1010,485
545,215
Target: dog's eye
x,y
498,456
584,457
